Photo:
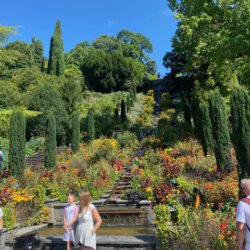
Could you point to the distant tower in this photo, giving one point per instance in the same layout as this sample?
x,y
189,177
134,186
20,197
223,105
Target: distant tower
x,y
159,75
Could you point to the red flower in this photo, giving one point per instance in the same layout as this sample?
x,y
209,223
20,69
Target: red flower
x,y
223,226
220,203
148,180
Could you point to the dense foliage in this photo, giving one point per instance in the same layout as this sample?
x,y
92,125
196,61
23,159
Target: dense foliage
x,y
47,99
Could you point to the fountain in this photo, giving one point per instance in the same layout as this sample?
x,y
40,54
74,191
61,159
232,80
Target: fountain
x,y
125,225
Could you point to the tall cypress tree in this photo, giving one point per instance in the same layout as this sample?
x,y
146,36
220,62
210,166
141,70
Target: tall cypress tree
x,y
56,61
116,117
196,117
75,132
37,47
128,102
240,119
220,131
207,140
50,142
186,107
123,112
131,93
91,124
17,143
134,92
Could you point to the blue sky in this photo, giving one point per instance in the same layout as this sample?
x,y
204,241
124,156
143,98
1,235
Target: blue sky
x,y
85,20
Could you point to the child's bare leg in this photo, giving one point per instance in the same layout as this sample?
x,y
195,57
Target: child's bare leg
x,y
1,223
68,245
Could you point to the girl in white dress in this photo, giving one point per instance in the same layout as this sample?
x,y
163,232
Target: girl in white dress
x,y
89,221
1,220
70,216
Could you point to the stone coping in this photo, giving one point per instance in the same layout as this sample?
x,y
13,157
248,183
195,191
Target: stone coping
x,y
51,200
25,230
104,240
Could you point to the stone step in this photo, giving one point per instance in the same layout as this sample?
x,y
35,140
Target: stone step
x,y
123,183
99,203
105,196
125,242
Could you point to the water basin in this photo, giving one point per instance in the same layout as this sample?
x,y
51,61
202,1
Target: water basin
x,y
102,231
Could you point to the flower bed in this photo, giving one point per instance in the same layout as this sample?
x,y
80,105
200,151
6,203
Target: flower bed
x,y
96,166
189,196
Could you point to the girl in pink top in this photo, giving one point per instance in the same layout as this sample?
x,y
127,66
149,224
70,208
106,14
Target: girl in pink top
x,y
70,216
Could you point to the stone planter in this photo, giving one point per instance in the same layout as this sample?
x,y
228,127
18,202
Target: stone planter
x,y
7,239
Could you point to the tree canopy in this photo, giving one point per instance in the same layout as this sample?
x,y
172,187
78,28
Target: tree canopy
x,y
213,37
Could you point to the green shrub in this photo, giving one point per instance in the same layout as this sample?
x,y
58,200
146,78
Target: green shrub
x,y
34,145
47,99
103,148
9,217
163,216
127,139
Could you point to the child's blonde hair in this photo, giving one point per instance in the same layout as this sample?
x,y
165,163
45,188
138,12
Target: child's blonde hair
x,y
72,194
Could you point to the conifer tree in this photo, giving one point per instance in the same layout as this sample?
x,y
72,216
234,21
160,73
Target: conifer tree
x,y
50,142
56,61
91,124
75,132
123,112
186,110
131,93
207,140
240,119
220,131
37,47
116,117
196,117
17,143
134,92
128,102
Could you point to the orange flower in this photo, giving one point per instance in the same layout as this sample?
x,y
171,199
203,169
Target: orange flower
x,y
197,201
208,186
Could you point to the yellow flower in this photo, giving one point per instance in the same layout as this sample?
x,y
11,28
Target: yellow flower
x,y
21,196
197,201
149,189
221,237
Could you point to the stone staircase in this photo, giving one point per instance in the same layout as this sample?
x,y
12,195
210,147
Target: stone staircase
x,y
38,159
